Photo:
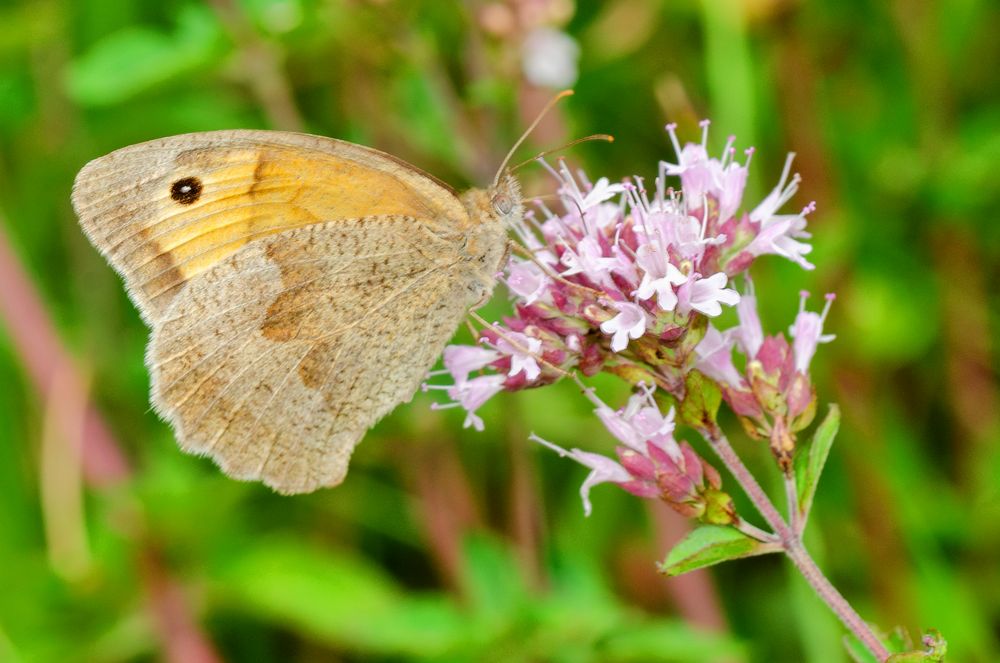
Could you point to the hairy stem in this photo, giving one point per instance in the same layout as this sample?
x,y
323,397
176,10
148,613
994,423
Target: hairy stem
x,y
791,542
792,497
755,532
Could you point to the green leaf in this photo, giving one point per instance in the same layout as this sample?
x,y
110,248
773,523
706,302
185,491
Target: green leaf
x,y
707,545
138,58
701,401
491,576
338,598
668,641
809,465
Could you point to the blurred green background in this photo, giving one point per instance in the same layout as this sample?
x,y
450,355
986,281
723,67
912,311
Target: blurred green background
x,y
451,545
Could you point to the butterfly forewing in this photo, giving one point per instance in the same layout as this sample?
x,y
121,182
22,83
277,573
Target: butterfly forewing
x,y
167,210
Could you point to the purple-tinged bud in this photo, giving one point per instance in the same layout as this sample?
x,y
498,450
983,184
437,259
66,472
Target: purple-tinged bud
x,y
742,402
693,464
659,455
675,486
642,489
740,263
773,354
591,359
801,395
636,464
711,474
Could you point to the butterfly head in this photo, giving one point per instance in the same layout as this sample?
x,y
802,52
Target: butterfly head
x,y
505,201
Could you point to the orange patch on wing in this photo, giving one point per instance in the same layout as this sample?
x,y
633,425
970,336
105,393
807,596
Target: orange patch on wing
x,y
252,193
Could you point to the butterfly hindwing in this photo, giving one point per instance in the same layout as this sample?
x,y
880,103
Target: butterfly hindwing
x,y
276,360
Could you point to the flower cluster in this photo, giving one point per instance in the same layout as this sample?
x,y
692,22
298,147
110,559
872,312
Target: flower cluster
x,y
623,278
651,463
773,396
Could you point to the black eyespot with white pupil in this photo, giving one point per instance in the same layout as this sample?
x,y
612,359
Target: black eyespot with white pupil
x,y
186,190
502,204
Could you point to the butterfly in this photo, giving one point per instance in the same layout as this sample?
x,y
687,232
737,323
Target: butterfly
x,y
297,287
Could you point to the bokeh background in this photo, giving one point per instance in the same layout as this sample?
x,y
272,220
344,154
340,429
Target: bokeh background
x,y
446,544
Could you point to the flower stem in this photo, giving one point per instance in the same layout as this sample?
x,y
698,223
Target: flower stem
x,y
791,542
792,497
833,598
755,532
748,482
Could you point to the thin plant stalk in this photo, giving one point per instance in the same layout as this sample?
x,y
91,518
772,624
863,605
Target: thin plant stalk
x,y
792,498
791,544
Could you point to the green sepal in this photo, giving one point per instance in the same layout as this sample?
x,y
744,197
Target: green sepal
x,y
701,402
719,508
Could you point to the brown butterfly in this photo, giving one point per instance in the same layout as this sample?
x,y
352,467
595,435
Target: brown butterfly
x,y
297,287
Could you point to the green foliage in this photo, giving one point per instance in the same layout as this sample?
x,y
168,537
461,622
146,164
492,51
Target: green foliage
x,y
345,601
707,545
889,109
811,459
701,402
138,58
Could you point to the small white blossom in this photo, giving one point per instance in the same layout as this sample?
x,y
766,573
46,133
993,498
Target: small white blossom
x,y
660,276
602,469
706,295
808,332
629,323
522,350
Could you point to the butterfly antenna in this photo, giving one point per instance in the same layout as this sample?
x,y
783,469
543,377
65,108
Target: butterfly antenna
x,y
552,102
605,137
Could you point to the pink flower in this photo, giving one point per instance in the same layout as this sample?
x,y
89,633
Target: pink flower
x,y
702,177
651,463
779,195
779,234
526,280
660,276
651,424
596,194
619,427
460,360
629,323
808,332
706,295
641,423
715,357
522,350
732,182
750,334
626,261
588,258
780,237
602,469
473,394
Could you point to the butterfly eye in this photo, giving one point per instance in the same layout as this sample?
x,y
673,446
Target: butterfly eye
x,y
502,204
186,191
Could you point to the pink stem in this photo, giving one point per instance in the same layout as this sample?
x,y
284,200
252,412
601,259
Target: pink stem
x,y
792,543
45,358
36,341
